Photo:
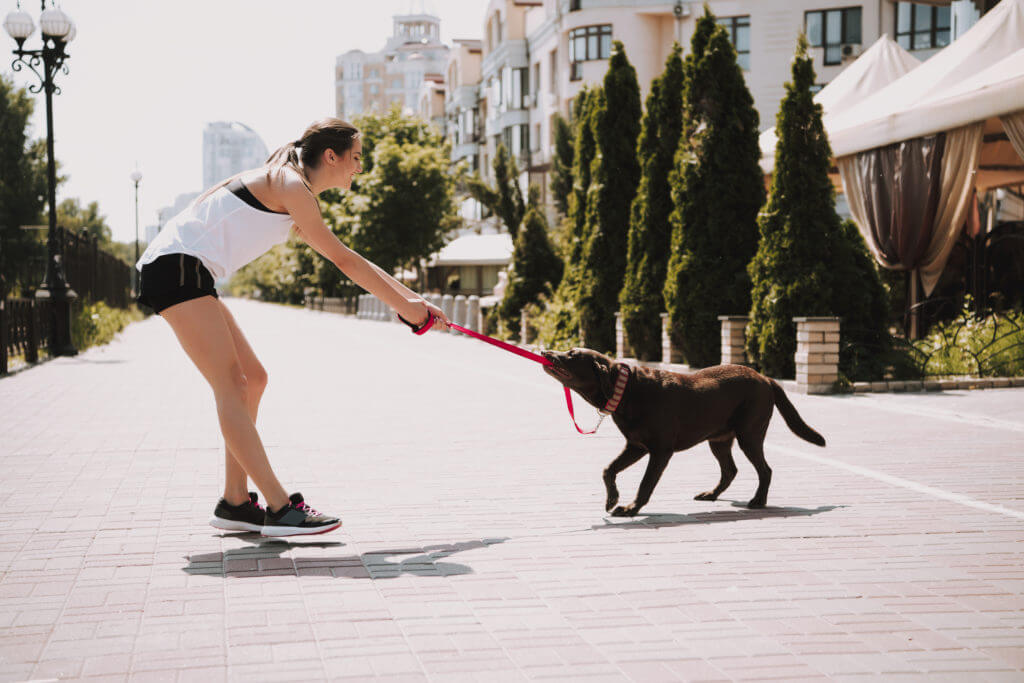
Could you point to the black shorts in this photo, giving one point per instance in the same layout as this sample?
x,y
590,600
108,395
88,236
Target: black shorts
x,y
173,278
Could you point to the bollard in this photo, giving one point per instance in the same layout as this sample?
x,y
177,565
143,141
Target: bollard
x,y
817,354
361,307
734,339
447,304
473,313
460,310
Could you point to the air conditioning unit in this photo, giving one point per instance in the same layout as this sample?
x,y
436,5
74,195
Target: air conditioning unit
x,y
850,51
681,9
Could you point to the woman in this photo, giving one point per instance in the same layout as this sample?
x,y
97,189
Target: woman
x,y
225,228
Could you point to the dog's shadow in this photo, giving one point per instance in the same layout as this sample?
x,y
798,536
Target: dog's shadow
x,y
739,514
268,558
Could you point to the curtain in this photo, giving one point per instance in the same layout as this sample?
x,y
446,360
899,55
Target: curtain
x,y
959,164
1013,124
910,199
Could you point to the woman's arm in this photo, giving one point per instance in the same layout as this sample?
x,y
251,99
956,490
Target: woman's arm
x,y
309,224
404,291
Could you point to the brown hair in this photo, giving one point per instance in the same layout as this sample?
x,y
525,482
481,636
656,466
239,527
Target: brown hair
x,y
327,133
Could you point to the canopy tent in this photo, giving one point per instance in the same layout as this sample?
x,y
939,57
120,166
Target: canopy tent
x,y
877,67
912,154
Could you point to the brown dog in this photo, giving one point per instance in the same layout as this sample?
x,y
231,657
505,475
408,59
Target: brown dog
x,y
662,412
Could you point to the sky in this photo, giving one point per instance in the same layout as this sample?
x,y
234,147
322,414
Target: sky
x,y
146,76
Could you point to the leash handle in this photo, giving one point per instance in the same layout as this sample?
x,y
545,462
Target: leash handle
x,y
531,356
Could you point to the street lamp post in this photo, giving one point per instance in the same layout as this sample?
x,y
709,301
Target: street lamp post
x,y
58,30
136,176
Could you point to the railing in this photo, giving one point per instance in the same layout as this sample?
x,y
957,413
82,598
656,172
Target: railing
x,y
24,330
92,273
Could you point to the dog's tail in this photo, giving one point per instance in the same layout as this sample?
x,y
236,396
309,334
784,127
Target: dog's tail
x,y
792,418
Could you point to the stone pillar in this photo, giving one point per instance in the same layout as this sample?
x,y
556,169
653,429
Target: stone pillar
x,y
361,307
817,354
448,306
734,339
669,354
473,313
622,348
460,311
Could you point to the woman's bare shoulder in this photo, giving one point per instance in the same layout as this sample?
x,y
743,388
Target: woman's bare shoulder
x,y
275,183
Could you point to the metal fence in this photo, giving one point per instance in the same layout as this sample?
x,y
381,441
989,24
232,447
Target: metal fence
x,y
24,330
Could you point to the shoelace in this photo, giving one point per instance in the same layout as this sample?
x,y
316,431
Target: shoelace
x,y
308,510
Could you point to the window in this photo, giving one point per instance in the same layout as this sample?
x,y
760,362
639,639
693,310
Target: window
x,y
536,137
553,82
921,27
739,35
516,139
536,79
588,43
574,5
833,28
374,89
355,71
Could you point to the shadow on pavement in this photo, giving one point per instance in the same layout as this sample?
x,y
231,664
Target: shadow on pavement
x,y
656,521
268,558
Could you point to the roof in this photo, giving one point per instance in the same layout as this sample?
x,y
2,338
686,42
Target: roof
x,y
952,89
877,67
476,250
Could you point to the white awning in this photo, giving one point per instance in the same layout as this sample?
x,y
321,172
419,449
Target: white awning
x,y
880,65
475,250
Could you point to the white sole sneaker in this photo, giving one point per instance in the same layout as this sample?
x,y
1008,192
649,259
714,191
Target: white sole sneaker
x,y
279,531
232,525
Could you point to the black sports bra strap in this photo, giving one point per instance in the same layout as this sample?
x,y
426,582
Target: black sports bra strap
x,y
238,188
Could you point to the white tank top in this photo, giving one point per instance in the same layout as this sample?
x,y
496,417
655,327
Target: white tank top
x,y
225,231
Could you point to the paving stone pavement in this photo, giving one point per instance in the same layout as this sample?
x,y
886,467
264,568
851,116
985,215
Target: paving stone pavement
x,y
475,545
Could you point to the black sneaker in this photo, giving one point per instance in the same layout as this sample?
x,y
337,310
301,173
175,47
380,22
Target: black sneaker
x,y
296,518
245,517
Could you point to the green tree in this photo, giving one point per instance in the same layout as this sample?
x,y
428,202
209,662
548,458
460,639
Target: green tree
x,y
22,190
505,199
73,216
614,173
405,207
559,324
536,269
718,188
808,262
641,300
561,165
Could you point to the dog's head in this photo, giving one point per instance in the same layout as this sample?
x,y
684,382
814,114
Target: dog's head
x,y
589,373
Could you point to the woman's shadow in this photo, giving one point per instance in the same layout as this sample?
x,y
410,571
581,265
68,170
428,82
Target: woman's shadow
x,y
738,514
273,558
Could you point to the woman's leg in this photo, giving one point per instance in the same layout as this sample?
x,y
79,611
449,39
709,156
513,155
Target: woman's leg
x,y
236,490
204,333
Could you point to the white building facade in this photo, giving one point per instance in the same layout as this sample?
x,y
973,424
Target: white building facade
x,y
376,81
230,147
538,54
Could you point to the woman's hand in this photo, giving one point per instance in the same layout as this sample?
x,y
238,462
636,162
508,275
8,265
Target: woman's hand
x,y
440,318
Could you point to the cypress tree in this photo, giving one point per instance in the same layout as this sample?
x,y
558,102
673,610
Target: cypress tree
x,y
505,199
559,326
614,175
536,269
561,165
718,189
808,262
641,300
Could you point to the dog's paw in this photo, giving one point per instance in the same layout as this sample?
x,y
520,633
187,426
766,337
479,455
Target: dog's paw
x,y
707,495
625,511
613,498
757,503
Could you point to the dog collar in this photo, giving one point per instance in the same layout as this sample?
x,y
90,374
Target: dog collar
x,y
620,388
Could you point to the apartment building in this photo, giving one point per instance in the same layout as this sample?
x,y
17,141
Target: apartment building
x,y
228,148
375,81
462,101
537,55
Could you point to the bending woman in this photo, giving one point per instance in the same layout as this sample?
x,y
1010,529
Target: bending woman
x,y
228,226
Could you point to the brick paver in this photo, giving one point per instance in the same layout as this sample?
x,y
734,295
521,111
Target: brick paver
x,y
475,544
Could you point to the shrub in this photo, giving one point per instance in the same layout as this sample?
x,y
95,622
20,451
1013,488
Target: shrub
x,y
641,300
95,323
718,188
614,175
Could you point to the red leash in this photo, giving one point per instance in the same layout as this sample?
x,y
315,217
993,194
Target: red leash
x,y
525,354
